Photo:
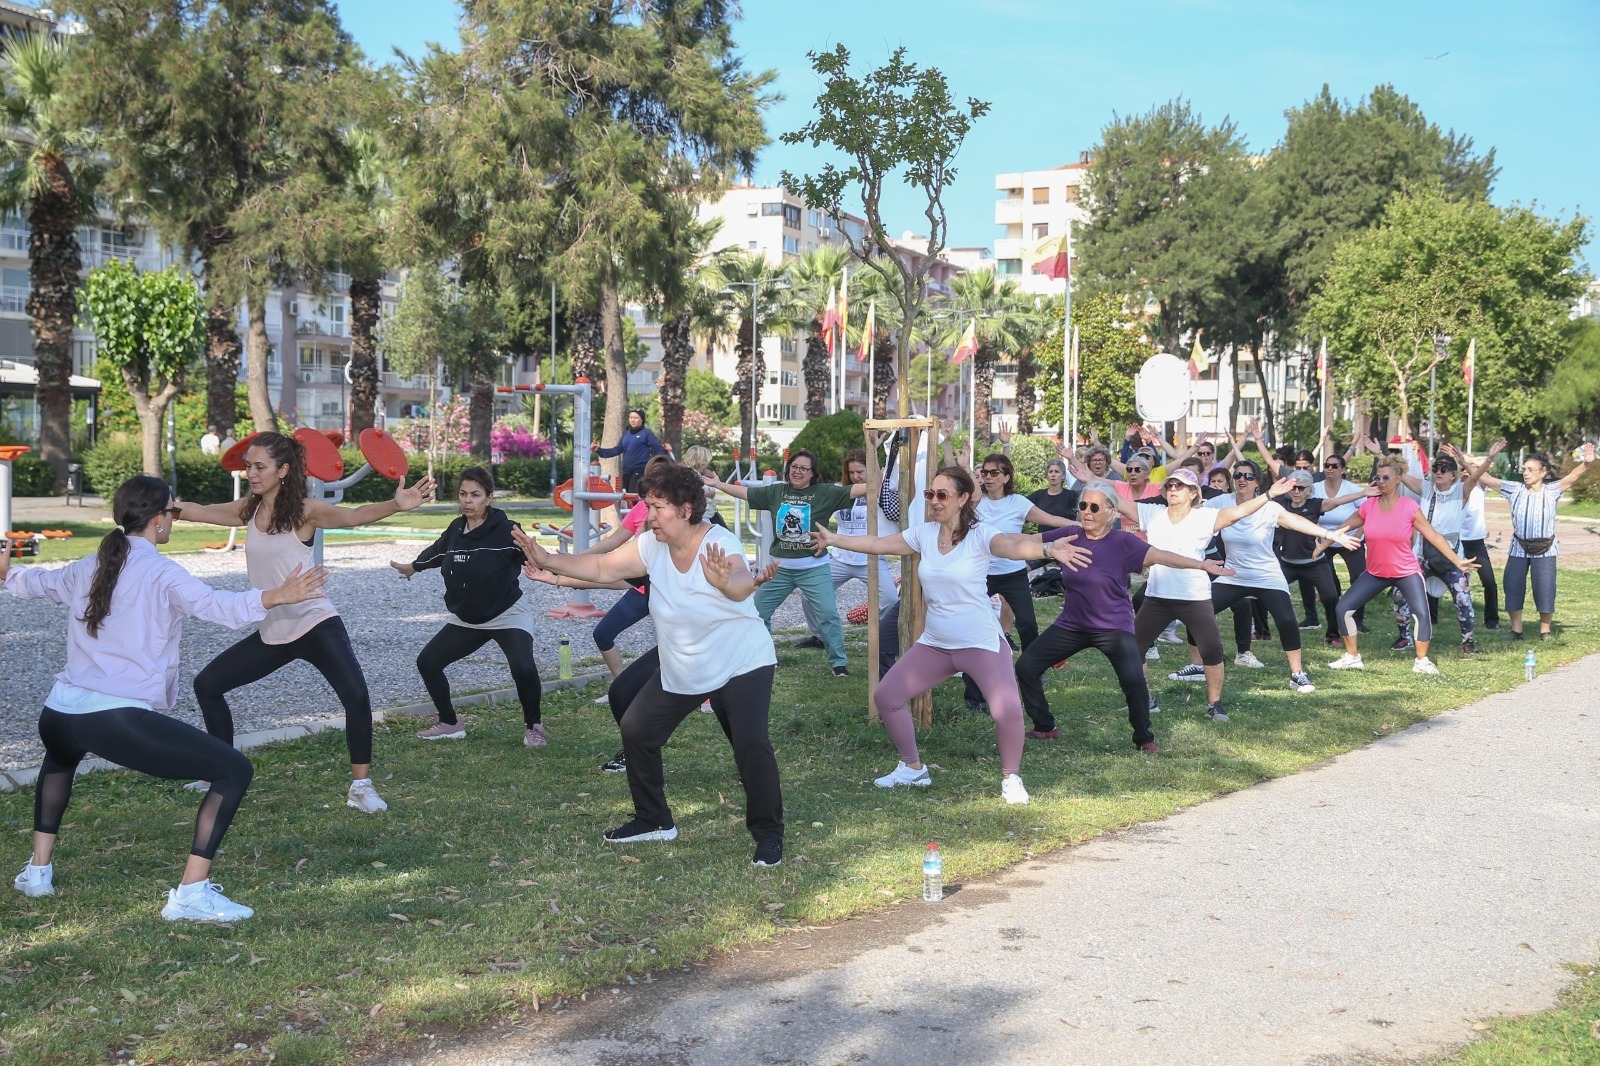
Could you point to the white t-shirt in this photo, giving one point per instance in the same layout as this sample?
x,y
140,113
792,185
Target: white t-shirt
x,y
1249,546
1474,526
956,586
1005,515
1448,508
705,638
1188,537
1335,518
1533,513
851,522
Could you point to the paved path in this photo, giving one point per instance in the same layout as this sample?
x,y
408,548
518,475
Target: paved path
x,y
1366,911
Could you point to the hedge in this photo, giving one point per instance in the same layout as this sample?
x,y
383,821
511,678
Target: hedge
x,y
201,478
31,476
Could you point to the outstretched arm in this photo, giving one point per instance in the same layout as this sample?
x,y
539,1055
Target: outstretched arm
x,y
1585,458
1042,519
1437,539
1227,516
738,492
215,514
619,565
1214,567
321,514
1485,478
894,544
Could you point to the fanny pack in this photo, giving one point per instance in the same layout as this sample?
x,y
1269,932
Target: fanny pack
x,y
1435,562
1534,545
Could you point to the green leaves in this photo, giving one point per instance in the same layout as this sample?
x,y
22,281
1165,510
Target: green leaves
x,y
150,325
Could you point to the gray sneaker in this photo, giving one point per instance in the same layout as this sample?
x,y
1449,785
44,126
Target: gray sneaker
x,y
364,798
204,904
1215,712
443,731
535,736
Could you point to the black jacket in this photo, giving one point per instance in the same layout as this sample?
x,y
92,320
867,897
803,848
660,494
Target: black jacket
x,y
480,567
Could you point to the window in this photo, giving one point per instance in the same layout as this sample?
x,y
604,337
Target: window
x,y
1008,266
1041,196
791,216
1041,230
1072,194
1250,406
753,245
790,379
1205,409
14,235
791,245
788,412
814,219
772,377
772,209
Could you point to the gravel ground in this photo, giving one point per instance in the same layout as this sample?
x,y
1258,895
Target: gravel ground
x,y
389,621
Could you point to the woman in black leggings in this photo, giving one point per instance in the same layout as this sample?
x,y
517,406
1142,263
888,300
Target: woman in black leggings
x,y
282,523
126,607
480,565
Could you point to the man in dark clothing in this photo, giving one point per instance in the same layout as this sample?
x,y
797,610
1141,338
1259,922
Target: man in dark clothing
x,y
636,447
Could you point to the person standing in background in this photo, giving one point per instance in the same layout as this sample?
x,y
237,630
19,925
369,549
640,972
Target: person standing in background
x,y
636,446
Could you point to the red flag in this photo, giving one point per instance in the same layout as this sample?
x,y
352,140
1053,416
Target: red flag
x,y
866,334
830,317
1051,257
1469,364
967,345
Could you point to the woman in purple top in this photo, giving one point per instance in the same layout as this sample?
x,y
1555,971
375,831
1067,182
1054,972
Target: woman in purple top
x,y
1096,613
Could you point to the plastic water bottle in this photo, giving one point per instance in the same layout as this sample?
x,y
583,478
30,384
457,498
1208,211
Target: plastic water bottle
x,y
1530,665
566,659
932,875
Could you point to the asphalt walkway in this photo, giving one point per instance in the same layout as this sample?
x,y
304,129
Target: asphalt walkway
x,y
1367,911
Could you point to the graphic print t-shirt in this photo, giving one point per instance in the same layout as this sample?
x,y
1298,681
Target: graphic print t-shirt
x,y
795,512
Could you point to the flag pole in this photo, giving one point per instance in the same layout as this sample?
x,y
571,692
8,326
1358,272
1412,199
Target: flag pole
x,y
1076,385
872,376
1472,387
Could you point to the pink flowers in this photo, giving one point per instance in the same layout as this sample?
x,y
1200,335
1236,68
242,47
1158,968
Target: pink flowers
x,y
518,442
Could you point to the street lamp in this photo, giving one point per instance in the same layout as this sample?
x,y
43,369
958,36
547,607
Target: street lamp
x,y
755,342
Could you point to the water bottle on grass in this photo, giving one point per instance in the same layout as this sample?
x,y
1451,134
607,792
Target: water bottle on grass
x,y
1530,665
932,875
565,659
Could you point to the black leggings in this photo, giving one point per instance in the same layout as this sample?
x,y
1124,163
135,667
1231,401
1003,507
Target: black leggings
x,y
1479,550
454,643
1356,562
1197,616
151,743
327,648
742,706
1368,585
1318,576
1056,644
1275,602
1018,594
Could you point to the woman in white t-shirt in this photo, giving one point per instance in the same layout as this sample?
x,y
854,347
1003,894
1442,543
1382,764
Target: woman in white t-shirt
x,y
713,646
1184,527
962,634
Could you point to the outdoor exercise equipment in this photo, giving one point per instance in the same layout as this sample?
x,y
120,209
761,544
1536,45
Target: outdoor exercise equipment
x,y
584,526
9,452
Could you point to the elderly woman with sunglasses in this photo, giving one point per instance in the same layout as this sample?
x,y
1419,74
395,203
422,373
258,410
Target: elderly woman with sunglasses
x,y
1306,558
1096,613
1390,520
961,635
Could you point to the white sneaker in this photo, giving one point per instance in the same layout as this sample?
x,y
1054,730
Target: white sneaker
x,y
705,708
364,798
1169,635
1192,672
1347,662
1424,665
604,698
203,902
1248,658
904,775
36,880
1153,653
198,786
1011,789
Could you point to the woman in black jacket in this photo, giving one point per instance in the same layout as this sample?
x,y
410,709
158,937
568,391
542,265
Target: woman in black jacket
x,y
481,591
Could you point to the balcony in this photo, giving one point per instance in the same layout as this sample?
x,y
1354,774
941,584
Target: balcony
x,y
390,380
1008,212
320,375
312,327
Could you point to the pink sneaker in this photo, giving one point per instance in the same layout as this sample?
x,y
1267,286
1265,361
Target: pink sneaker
x,y
535,737
443,731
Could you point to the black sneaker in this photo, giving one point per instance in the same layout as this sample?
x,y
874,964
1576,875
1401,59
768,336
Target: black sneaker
x,y
1516,634
1310,623
1361,627
978,706
1492,626
841,671
1215,712
635,832
1402,643
1469,647
769,852
618,764
810,642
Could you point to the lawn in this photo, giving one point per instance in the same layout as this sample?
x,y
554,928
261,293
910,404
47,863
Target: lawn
x,y
486,892
1568,1035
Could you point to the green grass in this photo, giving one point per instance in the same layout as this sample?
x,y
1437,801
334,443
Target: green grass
x,y
486,889
1568,1035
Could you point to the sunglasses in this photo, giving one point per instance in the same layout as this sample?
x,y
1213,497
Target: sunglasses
x,y
1244,475
1333,466
1383,477
1137,469
938,494
1085,505
1206,451
990,472
175,512
1299,488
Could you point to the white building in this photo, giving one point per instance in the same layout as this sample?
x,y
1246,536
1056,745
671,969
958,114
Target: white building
x,y
1034,205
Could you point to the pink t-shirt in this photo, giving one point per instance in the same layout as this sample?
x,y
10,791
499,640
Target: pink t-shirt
x,y
1389,535
634,520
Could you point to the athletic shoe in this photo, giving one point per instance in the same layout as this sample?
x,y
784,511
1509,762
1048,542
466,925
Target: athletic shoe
x,y
841,671
810,642
1192,672
1153,652
1333,642
443,731
1011,789
1215,712
1424,665
202,902
1169,635
769,852
604,698
1153,708
198,786
1248,658
36,880
706,708
1310,623
1043,734
636,832
534,736
618,764
1347,662
1361,627
1301,682
904,775
1516,634
1402,643
978,706
1492,625
364,798
1469,647
1150,747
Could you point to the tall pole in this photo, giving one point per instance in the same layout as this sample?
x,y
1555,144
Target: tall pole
x,y
928,403
1068,348
1076,386
1472,387
554,458
755,347
872,376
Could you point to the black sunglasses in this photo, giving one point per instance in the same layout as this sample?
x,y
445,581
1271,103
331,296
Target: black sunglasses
x,y
1244,475
1333,466
1085,505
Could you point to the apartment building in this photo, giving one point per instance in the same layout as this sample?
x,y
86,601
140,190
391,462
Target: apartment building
x,y
1034,205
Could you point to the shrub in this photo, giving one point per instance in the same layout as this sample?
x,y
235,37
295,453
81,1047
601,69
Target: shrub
x,y
699,429
526,477
512,437
830,438
201,478
1030,454
31,476
1587,488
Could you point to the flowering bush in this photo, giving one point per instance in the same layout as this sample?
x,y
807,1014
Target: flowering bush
x,y
454,426
700,429
518,442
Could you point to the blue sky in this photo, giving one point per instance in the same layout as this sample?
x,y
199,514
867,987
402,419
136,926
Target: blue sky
x,y
1523,79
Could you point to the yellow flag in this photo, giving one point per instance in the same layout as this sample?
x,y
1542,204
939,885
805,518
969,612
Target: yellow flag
x,y
1197,358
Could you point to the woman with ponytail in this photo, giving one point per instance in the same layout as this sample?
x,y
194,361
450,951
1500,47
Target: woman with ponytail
x,y
127,604
282,524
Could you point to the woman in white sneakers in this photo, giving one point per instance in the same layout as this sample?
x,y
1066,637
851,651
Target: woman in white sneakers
x,y
962,634
127,605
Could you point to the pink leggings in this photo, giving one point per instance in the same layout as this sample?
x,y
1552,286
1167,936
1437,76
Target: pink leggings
x,y
921,668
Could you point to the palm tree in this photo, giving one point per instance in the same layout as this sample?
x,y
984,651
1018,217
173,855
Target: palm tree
x,y
48,175
1003,316
819,272
701,312
734,274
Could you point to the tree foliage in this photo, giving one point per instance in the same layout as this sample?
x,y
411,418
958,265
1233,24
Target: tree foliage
x,y
1111,349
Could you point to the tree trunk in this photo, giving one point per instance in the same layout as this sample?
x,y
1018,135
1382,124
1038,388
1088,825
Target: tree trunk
x,y
750,365
588,347
152,409
817,368
982,386
1233,409
616,367
1025,394
222,366
677,349
365,302
261,413
884,378
54,263
480,410
1266,393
